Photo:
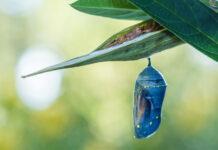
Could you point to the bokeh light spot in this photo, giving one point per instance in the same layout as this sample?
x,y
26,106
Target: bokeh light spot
x,y
41,91
201,59
19,7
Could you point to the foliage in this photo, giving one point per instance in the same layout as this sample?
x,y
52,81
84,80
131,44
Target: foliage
x,y
119,9
188,20
135,42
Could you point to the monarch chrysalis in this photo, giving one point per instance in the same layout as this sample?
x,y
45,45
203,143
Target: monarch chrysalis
x,y
149,93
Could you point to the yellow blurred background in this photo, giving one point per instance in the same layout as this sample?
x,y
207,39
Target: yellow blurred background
x,y
92,107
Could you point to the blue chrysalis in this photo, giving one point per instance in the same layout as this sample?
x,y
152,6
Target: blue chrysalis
x,y
149,94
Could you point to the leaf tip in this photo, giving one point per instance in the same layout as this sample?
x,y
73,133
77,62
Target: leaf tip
x,y
73,4
28,75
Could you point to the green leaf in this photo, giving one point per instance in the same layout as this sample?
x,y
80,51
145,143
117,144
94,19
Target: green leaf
x,y
119,9
190,20
136,42
212,4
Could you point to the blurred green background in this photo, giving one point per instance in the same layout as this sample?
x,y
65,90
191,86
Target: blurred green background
x,y
94,108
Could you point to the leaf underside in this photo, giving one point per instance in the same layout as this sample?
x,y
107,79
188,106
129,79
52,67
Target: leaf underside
x,y
118,9
136,42
212,4
190,20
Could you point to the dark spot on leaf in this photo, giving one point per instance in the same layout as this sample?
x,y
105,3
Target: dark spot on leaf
x,y
143,28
